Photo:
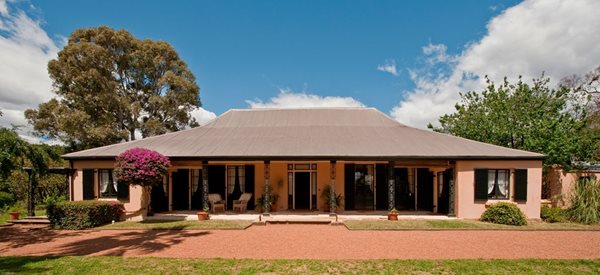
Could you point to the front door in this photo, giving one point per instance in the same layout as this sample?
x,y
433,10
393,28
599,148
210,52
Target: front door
x,y
302,190
404,196
424,190
181,186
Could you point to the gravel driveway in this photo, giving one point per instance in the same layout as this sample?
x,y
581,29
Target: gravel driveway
x,y
303,241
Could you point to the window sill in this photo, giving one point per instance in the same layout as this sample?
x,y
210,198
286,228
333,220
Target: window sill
x,y
488,203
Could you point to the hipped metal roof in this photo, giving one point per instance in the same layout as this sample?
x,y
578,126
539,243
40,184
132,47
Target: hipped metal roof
x,y
312,133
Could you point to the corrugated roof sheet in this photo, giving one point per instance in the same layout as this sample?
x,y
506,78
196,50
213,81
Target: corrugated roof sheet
x,y
320,133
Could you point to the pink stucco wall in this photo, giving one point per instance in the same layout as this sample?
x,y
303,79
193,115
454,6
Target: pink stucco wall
x,y
465,204
135,192
560,184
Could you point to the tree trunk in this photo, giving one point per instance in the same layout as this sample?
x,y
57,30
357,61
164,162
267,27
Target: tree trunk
x,y
145,200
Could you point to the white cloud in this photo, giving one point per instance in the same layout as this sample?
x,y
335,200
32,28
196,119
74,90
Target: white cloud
x,y
388,67
25,49
3,8
556,37
202,115
290,99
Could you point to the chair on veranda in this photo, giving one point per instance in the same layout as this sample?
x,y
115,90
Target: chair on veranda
x,y
216,202
242,203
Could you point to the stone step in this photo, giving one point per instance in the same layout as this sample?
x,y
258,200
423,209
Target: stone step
x,y
30,221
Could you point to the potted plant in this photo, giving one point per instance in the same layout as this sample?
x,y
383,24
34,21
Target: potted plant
x,y
393,215
261,203
203,215
327,197
14,213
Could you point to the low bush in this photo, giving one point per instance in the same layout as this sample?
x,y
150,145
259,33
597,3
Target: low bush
x,y
504,213
553,214
585,202
83,214
6,199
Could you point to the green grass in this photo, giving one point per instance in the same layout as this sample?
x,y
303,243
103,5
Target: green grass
x,y
460,224
170,224
4,217
139,265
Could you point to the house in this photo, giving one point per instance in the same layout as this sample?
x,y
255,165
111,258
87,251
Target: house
x,y
375,162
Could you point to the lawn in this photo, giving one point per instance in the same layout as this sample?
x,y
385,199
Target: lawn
x,y
140,265
460,225
173,224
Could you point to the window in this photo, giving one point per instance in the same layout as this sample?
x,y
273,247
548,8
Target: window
x,y
106,185
498,184
236,180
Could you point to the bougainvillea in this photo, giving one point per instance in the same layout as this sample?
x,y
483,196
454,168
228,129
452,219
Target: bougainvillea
x,y
139,166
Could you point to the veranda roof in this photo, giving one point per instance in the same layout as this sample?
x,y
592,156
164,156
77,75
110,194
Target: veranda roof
x,y
311,133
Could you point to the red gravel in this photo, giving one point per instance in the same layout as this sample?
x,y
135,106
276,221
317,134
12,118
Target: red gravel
x,y
303,241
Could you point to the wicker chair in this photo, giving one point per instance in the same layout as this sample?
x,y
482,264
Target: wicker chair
x,y
242,203
216,202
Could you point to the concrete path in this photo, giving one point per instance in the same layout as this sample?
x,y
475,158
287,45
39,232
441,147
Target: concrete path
x,y
303,241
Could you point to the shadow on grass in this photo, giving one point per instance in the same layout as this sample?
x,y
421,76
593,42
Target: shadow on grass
x,y
20,264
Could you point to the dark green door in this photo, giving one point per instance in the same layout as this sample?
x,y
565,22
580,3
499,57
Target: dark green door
x,y
181,181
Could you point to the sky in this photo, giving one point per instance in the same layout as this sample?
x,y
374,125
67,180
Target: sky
x,y
409,59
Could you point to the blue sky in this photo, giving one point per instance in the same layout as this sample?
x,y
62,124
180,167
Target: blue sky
x,y
248,49
274,53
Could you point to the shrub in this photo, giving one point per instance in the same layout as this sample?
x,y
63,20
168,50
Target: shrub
x,y
6,199
83,214
553,214
585,202
504,213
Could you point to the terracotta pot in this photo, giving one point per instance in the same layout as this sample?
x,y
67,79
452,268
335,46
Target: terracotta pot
x,y
202,216
392,216
14,215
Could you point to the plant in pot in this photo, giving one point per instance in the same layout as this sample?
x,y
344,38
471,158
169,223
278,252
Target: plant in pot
x,y
330,198
203,215
393,215
14,213
263,203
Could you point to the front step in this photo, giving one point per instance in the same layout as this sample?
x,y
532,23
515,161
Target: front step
x,y
31,220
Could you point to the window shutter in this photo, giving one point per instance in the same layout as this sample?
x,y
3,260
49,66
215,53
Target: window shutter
x,y
481,184
250,184
520,184
123,191
88,184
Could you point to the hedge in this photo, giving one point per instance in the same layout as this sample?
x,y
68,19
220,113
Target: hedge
x,y
504,213
83,214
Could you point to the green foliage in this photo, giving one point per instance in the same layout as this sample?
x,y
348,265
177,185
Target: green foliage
x,y
6,199
585,202
110,84
527,117
553,214
504,213
15,154
83,214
